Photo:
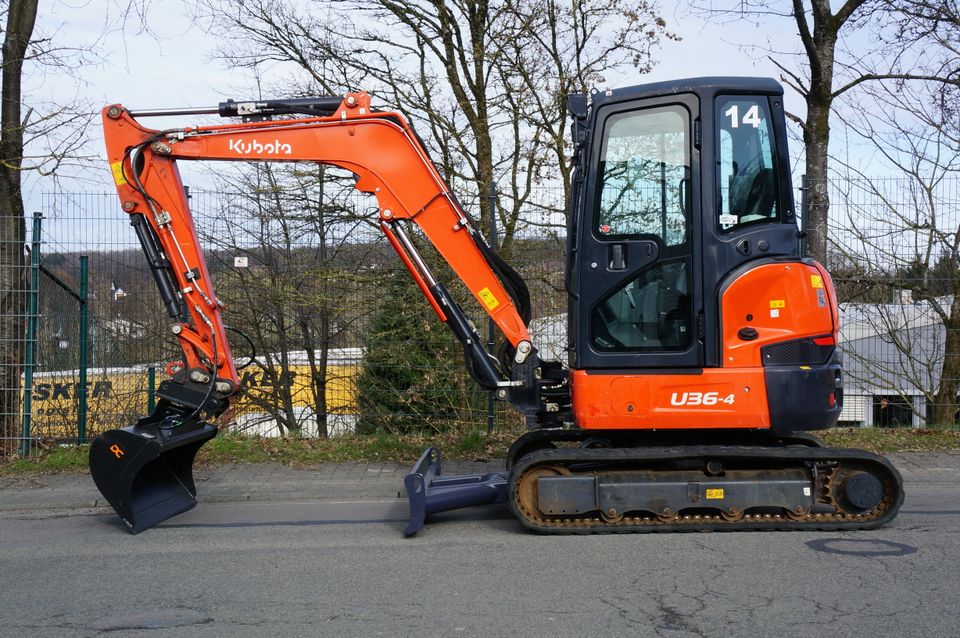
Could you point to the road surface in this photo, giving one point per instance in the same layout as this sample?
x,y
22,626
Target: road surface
x,y
274,551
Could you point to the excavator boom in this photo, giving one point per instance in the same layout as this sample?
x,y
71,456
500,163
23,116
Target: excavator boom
x,y
380,148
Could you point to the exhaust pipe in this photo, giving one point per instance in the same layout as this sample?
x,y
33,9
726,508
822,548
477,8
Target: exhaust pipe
x,y
145,471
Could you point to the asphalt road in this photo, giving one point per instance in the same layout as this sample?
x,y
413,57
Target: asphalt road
x,y
331,566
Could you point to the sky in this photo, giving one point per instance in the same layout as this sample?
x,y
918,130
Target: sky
x,y
175,66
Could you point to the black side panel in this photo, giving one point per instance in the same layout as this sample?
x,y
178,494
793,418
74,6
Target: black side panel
x,y
799,396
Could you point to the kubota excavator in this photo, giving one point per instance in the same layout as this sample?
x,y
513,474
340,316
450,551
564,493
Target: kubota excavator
x,y
702,345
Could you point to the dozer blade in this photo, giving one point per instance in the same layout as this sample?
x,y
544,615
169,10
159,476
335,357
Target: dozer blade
x,y
146,472
430,493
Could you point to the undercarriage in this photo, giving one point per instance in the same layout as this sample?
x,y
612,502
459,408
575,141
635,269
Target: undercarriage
x,y
579,482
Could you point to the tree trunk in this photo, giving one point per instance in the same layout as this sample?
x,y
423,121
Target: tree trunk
x,y
318,367
484,174
816,138
13,306
21,17
821,46
945,401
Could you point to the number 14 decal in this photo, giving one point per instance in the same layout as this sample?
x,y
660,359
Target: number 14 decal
x,y
751,117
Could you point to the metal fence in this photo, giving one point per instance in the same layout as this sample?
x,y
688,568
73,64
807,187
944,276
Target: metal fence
x,y
15,327
331,334
893,254
335,338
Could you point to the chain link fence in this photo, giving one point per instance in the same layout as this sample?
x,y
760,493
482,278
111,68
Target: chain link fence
x,y
333,337
16,329
330,333
893,255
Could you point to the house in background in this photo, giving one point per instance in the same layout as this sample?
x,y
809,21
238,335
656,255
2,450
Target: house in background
x,y
892,359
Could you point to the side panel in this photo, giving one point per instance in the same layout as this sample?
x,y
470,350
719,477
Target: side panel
x,y
773,302
717,398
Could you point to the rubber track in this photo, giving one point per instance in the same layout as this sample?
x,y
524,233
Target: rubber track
x,y
623,458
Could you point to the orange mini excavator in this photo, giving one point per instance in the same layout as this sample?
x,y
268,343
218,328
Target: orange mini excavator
x,y
702,345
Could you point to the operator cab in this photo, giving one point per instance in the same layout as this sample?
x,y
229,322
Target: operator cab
x,y
677,185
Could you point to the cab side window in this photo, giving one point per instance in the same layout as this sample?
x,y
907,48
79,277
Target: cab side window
x,y
747,176
644,176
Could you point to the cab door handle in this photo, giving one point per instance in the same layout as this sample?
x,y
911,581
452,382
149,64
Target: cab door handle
x,y
617,257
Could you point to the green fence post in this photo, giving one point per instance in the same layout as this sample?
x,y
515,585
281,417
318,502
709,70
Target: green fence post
x,y
30,353
84,336
151,389
491,326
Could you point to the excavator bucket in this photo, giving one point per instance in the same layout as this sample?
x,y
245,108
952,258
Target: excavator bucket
x,y
430,493
146,472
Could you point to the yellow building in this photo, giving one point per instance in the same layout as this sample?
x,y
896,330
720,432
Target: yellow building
x,y
117,397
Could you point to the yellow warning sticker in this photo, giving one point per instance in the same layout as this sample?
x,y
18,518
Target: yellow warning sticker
x,y
117,169
778,303
489,300
714,492
816,281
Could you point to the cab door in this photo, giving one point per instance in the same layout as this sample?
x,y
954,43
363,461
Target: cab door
x,y
749,216
637,273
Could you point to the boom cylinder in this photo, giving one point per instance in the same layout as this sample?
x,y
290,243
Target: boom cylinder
x,y
479,363
159,270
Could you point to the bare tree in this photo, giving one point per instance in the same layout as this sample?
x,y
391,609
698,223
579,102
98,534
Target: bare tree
x,y
902,236
38,138
555,49
833,62
452,66
297,299
20,20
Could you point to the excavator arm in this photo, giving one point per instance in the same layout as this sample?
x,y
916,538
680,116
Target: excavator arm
x,y
389,162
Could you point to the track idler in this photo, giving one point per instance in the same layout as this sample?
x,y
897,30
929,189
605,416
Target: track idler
x,y
145,471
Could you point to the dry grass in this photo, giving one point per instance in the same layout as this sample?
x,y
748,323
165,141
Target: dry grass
x,y
468,445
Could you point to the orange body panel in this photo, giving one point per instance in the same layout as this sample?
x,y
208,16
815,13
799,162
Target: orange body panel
x,y
781,301
718,398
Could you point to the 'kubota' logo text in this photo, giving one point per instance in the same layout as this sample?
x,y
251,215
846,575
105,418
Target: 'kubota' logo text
x,y
255,147
700,398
